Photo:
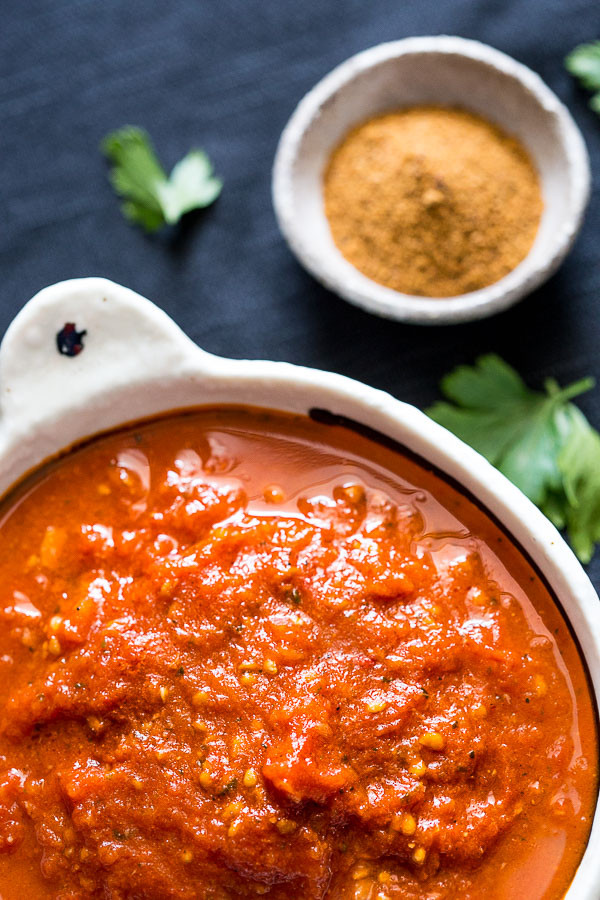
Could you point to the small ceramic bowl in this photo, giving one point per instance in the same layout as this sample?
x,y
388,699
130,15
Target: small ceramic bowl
x,y
446,71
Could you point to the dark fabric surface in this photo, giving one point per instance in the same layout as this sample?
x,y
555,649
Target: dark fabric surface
x,y
226,75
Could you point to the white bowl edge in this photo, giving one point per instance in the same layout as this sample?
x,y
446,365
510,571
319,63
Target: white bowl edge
x,y
137,363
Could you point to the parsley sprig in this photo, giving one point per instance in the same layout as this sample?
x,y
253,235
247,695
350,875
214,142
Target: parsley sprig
x,y
153,198
584,63
538,439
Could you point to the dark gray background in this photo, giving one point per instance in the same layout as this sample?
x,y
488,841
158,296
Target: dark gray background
x,y
226,75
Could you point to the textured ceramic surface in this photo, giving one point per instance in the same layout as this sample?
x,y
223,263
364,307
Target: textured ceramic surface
x,y
136,363
443,70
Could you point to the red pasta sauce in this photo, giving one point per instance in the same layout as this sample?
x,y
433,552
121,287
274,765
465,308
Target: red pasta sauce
x,y
244,654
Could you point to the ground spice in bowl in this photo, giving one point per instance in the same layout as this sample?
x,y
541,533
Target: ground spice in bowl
x,y
432,201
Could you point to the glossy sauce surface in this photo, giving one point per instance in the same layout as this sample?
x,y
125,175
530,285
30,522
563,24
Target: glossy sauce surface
x,y
244,654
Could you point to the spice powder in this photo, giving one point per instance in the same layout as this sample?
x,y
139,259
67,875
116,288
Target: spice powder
x,y
432,201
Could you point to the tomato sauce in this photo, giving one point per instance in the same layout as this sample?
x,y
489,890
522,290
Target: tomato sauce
x,y
244,654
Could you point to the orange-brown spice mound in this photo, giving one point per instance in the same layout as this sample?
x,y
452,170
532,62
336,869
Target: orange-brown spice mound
x,y
432,201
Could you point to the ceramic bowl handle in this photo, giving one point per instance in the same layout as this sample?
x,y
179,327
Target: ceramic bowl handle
x,y
77,340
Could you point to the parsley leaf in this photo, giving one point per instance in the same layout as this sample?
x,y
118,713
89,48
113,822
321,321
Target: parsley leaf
x,y
584,63
579,461
538,439
153,199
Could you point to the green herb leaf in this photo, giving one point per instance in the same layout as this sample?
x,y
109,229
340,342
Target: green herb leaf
x,y
579,462
153,199
584,63
538,439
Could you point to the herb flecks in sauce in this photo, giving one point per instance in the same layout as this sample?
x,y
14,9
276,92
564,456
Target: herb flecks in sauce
x,y
367,728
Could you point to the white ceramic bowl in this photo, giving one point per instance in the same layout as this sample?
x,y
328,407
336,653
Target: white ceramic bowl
x,y
137,363
447,71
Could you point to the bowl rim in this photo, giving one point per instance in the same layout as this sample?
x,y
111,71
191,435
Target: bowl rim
x,y
358,289
114,382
